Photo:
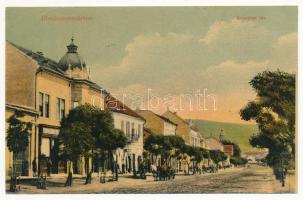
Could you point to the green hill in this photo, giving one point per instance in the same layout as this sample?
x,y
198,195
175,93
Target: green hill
x,y
239,133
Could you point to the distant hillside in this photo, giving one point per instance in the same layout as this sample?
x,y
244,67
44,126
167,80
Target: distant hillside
x,y
239,133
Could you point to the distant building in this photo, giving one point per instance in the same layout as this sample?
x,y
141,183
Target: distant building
x,y
185,130
212,143
158,124
229,149
254,156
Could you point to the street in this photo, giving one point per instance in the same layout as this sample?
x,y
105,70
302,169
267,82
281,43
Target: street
x,y
255,179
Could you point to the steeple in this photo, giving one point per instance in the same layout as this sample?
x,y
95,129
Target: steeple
x,y
221,137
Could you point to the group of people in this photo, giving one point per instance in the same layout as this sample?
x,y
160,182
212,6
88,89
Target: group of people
x,y
35,168
163,172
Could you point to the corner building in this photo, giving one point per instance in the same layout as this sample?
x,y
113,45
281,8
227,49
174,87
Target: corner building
x,y
51,89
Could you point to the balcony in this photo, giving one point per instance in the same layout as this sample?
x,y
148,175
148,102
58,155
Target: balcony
x,y
133,138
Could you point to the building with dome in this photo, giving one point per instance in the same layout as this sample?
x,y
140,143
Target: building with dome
x,y
45,90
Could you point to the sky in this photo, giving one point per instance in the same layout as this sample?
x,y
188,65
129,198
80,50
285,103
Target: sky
x,y
197,61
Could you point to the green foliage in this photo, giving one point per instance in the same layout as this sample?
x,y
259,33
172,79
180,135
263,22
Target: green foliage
x,y
166,146
274,112
76,132
18,133
217,156
77,140
238,160
237,150
86,128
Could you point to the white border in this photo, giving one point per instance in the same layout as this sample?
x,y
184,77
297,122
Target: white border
x,y
92,3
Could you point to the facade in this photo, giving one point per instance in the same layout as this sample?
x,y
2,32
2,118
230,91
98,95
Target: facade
x,y
212,143
188,132
158,124
132,125
50,90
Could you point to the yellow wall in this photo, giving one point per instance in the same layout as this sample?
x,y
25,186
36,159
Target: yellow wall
x,y
154,123
55,87
183,128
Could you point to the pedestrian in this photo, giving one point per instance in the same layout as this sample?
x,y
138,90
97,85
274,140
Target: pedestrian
x,y
123,168
34,165
112,167
49,166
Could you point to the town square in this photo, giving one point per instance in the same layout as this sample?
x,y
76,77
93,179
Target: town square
x,y
130,101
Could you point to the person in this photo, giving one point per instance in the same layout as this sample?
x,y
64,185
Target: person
x,y
49,165
34,164
123,168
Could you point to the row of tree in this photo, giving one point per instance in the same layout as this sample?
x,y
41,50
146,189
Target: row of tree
x,y
169,147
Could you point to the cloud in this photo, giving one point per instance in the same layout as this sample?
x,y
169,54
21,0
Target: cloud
x,y
223,61
285,52
232,76
239,39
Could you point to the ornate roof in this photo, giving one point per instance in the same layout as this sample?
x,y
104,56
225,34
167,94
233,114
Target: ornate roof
x,y
71,58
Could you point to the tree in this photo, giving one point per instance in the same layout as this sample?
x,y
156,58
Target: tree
x,y
217,156
236,160
274,111
166,146
17,138
76,135
88,131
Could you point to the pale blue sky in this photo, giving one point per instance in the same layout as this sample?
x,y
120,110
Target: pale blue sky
x,y
171,50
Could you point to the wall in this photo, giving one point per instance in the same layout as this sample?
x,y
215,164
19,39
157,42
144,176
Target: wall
x,y
134,147
169,129
153,122
19,67
183,128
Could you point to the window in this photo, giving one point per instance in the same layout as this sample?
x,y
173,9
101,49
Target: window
x,y
57,108
139,130
60,108
133,129
127,129
122,125
40,104
46,105
76,103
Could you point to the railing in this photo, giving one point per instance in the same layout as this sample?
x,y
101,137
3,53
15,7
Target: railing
x,y
133,138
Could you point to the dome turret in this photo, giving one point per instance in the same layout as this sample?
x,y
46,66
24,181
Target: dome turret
x,y
71,58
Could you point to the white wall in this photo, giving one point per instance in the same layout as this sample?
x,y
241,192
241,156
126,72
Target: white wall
x,y
169,129
136,146
194,138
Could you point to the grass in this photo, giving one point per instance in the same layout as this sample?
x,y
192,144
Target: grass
x,y
239,133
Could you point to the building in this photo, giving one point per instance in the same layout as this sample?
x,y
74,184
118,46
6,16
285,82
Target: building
x,y
46,90
212,143
229,152
132,125
189,133
157,124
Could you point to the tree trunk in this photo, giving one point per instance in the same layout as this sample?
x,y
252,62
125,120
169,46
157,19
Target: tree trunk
x,y
69,179
88,173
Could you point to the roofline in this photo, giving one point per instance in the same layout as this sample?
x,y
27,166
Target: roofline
x,y
125,106
183,120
